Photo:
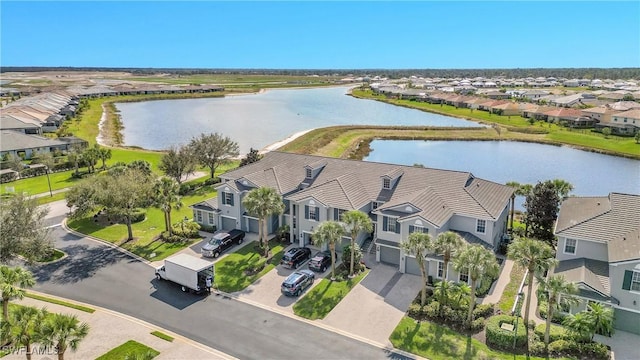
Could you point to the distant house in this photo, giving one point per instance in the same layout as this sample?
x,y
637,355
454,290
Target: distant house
x,y
24,125
534,94
625,123
559,114
600,113
26,146
506,109
399,200
599,249
497,95
567,101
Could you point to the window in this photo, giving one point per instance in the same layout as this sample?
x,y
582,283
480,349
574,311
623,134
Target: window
x,y
309,174
570,246
374,205
311,212
337,214
416,228
227,198
295,221
210,218
481,226
199,216
440,269
386,183
390,225
635,281
464,277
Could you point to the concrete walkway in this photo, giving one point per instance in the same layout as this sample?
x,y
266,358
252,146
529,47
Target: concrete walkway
x,y
533,310
493,297
109,329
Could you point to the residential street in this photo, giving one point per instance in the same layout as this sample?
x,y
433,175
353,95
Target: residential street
x,y
97,274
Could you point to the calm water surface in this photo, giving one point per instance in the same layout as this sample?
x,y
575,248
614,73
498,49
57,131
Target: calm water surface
x,y
262,119
501,161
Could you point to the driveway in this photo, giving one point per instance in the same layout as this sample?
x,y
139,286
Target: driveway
x,y
266,290
375,306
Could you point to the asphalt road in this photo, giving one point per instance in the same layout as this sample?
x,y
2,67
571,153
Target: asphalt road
x,y
97,274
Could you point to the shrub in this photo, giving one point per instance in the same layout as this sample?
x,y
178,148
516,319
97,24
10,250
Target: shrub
x,y
186,188
414,311
35,171
477,324
164,236
8,177
138,215
485,286
483,310
431,310
211,181
208,228
593,350
560,348
346,256
187,229
503,339
537,348
558,317
555,333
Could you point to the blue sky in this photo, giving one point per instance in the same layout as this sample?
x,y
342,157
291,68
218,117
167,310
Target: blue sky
x,y
321,35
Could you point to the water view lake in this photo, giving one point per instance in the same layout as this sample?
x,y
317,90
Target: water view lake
x,y
261,119
590,173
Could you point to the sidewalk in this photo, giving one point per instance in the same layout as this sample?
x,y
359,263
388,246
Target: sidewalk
x,y
109,329
498,288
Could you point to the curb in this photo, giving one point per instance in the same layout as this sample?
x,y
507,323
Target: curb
x,y
319,325
218,354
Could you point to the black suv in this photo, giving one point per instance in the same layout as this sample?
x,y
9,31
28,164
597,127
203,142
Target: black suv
x,y
221,242
320,261
294,257
295,283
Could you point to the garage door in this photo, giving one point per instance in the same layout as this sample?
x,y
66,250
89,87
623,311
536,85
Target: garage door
x,y
411,266
627,321
228,223
254,226
389,255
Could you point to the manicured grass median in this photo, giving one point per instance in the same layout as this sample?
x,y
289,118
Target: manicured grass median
x,y
230,271
511,290
130,348
60,302
438,342
318,302
162,336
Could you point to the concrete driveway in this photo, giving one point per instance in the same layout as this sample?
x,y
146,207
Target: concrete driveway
x,y
266,290
375,306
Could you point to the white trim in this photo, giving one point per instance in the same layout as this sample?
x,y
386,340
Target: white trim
x,y
627,262
575,247
438,262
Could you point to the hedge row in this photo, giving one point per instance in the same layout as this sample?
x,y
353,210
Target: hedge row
x,y
555,332
500,338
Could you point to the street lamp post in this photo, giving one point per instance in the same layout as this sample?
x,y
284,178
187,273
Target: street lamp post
x,y
517,315
46,168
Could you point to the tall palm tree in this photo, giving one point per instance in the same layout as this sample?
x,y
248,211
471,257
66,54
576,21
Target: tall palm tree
x,y
329,232
63,331
447,243
91,156
13,280
559,292
419,244
104,154
165,197
535,256
23,326
263,202
563,187
356,221
601,317
477,261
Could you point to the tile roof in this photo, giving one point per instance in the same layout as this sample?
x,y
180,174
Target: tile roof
x,y
632,114
13,140
614,219
592,273
351,184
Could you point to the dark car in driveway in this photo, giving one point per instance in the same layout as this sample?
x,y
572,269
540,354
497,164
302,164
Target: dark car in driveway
x,y
320,261
295,283
222,241
295,256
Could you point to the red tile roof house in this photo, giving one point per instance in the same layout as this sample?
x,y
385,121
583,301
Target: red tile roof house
x,y
599,250
399,200
506,109
558,114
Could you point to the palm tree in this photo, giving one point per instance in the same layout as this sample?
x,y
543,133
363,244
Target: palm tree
x,y
602,319
91,156
562,187
579,325
461,291
329,232
13,280
63,331
165,197
559,293
356,221
74,156
262,203
419,244
440,291
535,256
447,244
104,154
23,327
477,261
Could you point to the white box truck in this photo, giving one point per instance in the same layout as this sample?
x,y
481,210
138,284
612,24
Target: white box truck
x,y
192,273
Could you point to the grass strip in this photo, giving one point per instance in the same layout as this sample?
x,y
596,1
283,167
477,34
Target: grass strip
x,y
511,290
130,349
60,302
231,271
437,342
162,336
318,302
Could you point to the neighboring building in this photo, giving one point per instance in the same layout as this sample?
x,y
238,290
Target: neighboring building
x,y
599,113
625,123
399,199
599,249
25,146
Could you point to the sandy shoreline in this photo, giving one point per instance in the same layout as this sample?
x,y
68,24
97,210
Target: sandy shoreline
x,y
284,141
100,139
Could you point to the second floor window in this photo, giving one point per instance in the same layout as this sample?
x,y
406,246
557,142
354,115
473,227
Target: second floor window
x,y
570,246
481,226
390,225
337,214
635,281
419,229
311,212
227,198
386,183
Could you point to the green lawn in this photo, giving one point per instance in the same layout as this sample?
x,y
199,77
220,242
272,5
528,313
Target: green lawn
x,y
436,342
230,271
130,348
318,302
511,290
59,302
145,231
162,336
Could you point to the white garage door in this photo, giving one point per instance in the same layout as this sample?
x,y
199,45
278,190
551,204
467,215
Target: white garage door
x,y
254,226
411,266
389,255
228,223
